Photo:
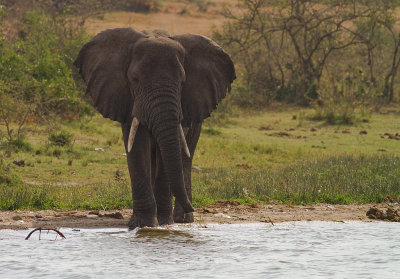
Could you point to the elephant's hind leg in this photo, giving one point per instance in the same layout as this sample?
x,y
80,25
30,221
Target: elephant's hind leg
x,y
192,137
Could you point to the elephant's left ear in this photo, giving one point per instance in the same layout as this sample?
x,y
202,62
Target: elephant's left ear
x,y
209,74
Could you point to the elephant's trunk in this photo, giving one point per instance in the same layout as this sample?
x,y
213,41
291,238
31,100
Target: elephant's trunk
x,y
163,120
169,143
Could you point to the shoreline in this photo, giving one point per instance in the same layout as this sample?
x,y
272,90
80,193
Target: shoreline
x,y
222,212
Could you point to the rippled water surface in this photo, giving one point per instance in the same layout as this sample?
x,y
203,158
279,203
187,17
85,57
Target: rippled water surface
x,y
298,250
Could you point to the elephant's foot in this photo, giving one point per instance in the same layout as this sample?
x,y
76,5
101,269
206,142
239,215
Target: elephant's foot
x,y
180,216
184,218
165,219
140,221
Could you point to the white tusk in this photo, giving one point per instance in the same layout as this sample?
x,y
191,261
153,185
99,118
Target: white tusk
x,y
132,133
184,144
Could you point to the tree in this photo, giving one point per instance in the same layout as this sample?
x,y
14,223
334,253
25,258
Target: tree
x,y
36,80
283,47
378,33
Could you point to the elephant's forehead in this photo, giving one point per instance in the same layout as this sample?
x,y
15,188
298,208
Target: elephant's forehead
x,y
160,46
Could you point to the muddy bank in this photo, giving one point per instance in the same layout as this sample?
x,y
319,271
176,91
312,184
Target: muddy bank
x,y
221,212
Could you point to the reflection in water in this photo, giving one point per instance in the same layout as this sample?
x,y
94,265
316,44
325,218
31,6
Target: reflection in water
x,y
161,232
171,234
297,249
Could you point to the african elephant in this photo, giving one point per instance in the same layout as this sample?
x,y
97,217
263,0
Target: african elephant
x,y
160,88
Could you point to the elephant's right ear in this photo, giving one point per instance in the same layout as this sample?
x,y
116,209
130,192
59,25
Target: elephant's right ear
x,y
103,64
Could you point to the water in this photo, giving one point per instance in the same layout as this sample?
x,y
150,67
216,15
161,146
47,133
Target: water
x,y
296,249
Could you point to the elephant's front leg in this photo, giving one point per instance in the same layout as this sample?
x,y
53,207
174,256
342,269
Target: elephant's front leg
x,y
139,165
192,137
162,192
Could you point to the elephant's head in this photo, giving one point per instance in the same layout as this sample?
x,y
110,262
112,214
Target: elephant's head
x,y
159,80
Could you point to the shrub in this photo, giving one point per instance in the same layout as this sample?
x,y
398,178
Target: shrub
x,y
20,144
346,101
36,78
62,138
35,67
136,5
7,177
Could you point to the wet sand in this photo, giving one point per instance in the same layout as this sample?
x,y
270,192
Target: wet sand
x,y
221,212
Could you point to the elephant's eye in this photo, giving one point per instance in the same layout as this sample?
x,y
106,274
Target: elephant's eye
x,y
134,79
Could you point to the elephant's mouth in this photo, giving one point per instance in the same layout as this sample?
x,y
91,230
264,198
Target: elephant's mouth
x,y
133,130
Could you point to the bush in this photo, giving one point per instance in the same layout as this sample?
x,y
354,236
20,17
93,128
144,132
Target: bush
x,y
20,144
136,5
347,101
62,138
35,67
6,176
36,78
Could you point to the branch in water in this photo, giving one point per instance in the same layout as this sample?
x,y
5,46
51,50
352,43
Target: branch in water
x,y
45,229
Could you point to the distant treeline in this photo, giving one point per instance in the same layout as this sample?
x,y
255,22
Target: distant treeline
x,y
323,53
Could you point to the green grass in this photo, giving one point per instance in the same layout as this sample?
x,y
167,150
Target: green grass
x,y
98,196
279,155
339,180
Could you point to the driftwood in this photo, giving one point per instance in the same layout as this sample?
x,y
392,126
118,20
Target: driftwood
x,y
271,221
45,229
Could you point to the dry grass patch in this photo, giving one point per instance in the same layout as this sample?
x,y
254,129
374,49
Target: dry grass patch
x,y
176,17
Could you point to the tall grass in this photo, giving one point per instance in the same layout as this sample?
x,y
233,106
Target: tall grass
x,y
338,180
97,196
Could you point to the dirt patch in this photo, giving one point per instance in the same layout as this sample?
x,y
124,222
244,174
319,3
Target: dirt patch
x,y
220,212
285,135
244,166
392,136
265,128
281,135
389,199
391,214
318,146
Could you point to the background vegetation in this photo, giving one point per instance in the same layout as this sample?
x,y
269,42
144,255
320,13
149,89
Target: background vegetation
x,y
339,56
336,61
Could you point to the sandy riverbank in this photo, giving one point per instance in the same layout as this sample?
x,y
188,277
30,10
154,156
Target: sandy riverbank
x,y
221,212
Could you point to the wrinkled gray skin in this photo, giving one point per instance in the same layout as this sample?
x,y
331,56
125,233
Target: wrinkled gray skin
x,y
163,81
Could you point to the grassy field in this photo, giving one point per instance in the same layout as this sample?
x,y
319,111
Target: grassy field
x,y
277,155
